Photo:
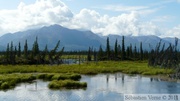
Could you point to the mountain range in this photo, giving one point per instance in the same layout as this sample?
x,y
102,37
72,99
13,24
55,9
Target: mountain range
x,y
77,40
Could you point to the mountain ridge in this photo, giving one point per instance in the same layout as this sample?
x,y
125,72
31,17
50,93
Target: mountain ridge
x,y
73,39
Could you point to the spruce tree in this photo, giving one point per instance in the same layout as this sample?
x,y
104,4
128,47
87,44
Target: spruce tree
x,y
141,52
19,50
119,49
108,51
128,52
95,55
123,49
45,53
11,52
15,51
89,54
7,53
116,49
135,51
100,53
12,55
35,49
26,50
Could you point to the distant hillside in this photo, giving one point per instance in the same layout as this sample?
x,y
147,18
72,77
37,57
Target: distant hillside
x,y
73,39
70,39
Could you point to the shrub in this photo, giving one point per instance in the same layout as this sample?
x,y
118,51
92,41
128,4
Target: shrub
x,y
5,85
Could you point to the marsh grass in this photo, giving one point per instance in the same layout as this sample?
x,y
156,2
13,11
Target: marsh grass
x,y
129,67
59,76
22,73
68,84
8,81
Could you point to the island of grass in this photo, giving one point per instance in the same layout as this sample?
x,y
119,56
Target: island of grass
x,y
68,84
10,75
8,81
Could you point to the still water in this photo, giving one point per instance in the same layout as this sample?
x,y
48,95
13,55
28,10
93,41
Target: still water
x,y
102,87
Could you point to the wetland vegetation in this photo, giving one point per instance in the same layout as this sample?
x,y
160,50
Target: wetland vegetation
x,y
57,73
23,66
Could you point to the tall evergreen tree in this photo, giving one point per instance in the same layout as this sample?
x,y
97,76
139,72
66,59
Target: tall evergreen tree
x,y
116,48
15,51
12,55
108,50
123,49
119,49
141,51
130,51
11,52
35,49
89,54
19,50
100,53
26,50
135,52
95,55
45,53
7,53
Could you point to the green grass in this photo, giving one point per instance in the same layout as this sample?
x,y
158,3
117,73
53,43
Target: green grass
x,y
57,76
22,73
128,67
68,84
8,81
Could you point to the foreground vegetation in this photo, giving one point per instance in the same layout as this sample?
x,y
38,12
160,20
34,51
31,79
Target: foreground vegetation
x,y
8,81
129,67
69,84
71,73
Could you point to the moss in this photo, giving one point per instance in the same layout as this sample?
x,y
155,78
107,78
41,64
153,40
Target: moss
x,y
66,76
68,84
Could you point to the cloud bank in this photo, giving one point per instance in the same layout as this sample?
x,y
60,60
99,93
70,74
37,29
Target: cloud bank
x,y
48,12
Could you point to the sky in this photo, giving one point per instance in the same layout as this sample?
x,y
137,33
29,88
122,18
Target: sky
x,y
103,17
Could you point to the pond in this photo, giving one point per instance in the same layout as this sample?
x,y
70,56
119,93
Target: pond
x,y
101,87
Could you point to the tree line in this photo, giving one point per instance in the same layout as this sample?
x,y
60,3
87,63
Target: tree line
x,y
14,55
160,56
119,52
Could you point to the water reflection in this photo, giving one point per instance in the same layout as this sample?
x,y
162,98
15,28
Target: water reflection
x,y
102,87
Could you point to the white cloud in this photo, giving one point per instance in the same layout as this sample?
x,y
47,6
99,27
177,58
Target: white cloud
x,y
174,32
123,8
178,1
42,12
47,12
124,24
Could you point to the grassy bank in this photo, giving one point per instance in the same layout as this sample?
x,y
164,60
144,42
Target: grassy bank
x,y
128,67
71,73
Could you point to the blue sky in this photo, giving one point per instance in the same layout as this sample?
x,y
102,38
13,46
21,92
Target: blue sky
x,y
121,17
167,8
